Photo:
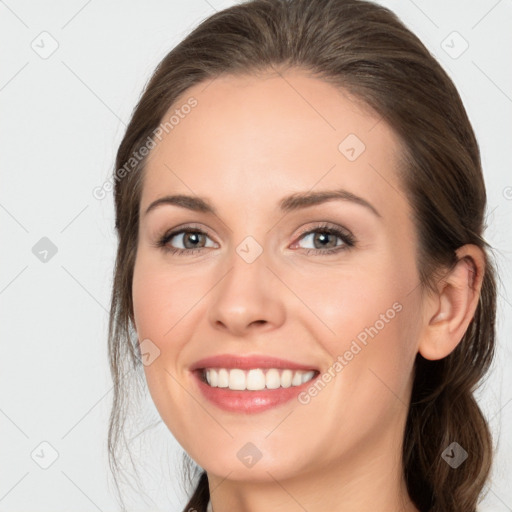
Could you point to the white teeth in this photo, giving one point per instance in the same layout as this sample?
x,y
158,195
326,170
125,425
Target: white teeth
x,y
297,379
272,379
223,379
307,376
213,379
256,379
237,379
286,378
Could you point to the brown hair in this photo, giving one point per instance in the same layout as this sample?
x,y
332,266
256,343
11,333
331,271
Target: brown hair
x,y
367,51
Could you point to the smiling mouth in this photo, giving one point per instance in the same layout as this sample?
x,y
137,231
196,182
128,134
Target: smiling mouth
x,y
255,379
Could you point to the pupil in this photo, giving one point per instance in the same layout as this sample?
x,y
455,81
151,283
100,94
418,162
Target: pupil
x,y
324,238
195,235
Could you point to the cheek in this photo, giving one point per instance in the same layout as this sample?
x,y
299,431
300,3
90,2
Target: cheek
x,y
371,379
165,303
149,298
349,301
368,324
161,298
161,301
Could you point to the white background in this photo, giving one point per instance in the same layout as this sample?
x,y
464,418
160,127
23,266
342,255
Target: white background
x,y
62,120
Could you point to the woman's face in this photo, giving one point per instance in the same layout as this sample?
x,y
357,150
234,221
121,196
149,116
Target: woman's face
x,y
325,286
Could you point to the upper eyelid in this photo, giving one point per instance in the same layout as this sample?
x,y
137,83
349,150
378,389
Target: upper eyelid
x,y
188,227
316,227
169,235
324,225
339,231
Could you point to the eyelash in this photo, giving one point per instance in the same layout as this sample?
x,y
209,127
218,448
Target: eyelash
x,y
346,237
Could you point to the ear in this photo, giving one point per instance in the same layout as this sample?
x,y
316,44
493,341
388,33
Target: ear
x,y
449,311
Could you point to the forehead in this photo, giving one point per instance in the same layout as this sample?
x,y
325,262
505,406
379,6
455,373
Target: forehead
x,y
250,138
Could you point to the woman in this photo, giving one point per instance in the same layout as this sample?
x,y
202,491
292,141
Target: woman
x,y
301,272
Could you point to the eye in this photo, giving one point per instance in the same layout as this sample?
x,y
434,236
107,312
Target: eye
x,y
327,239
186,240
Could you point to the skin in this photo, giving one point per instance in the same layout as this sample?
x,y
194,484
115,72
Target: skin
x,y
250,141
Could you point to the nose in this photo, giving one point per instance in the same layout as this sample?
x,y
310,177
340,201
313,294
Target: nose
x,y
248,299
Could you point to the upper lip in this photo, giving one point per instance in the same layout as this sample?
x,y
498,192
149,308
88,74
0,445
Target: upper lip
x,y
248,362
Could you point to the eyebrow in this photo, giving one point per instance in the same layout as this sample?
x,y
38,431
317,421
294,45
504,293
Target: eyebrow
x,y
287,204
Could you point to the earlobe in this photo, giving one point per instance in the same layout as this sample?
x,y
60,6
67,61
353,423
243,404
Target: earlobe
x,y
450,311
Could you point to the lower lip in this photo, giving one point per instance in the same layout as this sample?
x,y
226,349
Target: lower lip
x,y
249,401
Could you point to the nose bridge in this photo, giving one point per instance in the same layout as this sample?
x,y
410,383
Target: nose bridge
x,y
246,295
